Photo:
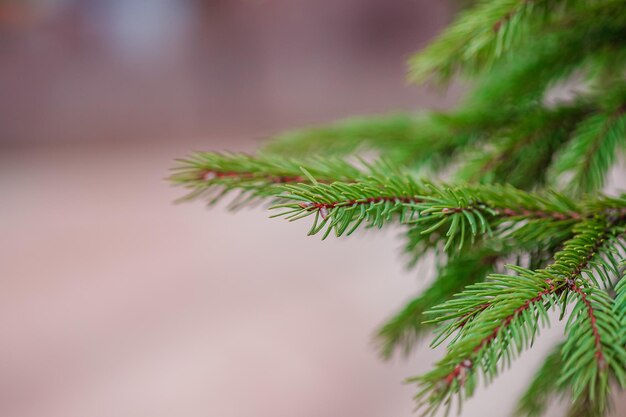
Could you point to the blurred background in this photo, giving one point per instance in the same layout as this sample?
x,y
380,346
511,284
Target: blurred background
x,y
114,301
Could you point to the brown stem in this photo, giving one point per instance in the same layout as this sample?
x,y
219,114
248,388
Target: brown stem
x,y
508,212
539,214
467,363
278,179
594,326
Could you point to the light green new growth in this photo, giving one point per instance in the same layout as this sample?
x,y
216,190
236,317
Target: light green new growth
x,y
521,232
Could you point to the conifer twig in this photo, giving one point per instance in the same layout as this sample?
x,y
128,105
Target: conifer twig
x,y
564,248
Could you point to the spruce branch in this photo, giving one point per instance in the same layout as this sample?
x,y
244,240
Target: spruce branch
x,y
495,320
522,149
213,175
479,36
343,207
589,44
564,249
593,351
593,150
594,354
465,211
426,139
351,135
497,31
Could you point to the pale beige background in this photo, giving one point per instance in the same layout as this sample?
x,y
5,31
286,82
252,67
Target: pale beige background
x,y
116,303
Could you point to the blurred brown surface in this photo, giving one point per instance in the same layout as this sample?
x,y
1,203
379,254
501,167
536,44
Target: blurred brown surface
x,y
120,70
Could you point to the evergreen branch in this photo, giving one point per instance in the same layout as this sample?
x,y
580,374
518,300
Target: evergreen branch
x,y
213,175
593,151
466,212
351,135
589,45
593,350
597,340
503,324
507,31
578,252
567,253
525,148
543,386
479,35
406,328
343,207
499,317
415,140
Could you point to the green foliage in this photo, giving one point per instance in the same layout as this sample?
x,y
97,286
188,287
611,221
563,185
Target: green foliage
x,y
620,299
491,322
427,139
512,137
593,150
593,352
518,154
524,79
465,212
212,176
343,207
346,137
479,36
496,31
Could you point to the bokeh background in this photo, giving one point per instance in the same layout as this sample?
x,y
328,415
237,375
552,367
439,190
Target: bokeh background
x,y
114,302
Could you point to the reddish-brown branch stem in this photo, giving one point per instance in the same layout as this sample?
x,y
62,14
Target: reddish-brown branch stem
x,y
508,212
324,207
208,175
371,200
504,212
278,179
539,214
594,326
507,321
467,363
